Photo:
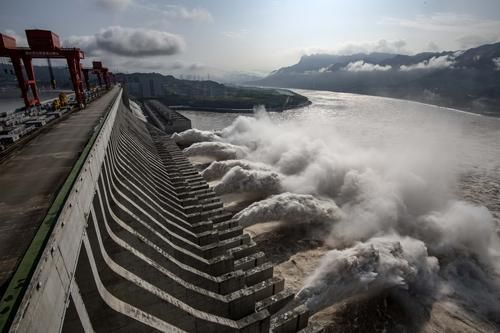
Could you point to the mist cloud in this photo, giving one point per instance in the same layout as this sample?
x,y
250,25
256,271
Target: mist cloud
x,y
128,42
369,268
291,209
239,180
433,63
194,135
217,150
496,62
390,212
156,64
218,169
361,66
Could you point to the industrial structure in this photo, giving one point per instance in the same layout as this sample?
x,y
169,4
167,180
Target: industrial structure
x,y
46,45
107,227
42,44
164,118
16,125
102,73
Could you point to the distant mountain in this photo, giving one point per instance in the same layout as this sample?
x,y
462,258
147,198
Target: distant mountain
x,y
467,79
318,62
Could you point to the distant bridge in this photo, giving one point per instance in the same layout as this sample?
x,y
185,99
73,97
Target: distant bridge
x,y
126,236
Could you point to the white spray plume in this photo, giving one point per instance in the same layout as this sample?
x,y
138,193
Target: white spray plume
x,y
218,169
402,187
290,208
461,227
193,135
371,205
241,180
369,268
217,150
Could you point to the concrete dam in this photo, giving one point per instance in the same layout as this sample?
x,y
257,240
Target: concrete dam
x,y
135,240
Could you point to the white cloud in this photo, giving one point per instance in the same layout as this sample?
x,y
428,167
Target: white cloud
x,y
87,43
433,63
113,5
20,39
137,64
156,64
183,13
128,42
496,61
379,46
385,46
361,66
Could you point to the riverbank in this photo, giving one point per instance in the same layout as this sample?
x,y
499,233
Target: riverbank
x,y
237,110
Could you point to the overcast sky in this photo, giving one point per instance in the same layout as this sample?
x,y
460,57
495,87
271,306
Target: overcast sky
x,y
254,36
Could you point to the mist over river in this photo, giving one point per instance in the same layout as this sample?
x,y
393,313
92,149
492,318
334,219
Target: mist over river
x,y
382,214
470,143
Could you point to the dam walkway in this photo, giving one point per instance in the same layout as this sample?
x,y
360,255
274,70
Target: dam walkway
x,y
31,177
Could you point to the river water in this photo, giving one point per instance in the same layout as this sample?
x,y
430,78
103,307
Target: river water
x,y
470,143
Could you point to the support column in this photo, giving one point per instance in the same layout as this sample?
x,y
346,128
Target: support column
x,y
99,79
85,72
18,69
74,71
31,82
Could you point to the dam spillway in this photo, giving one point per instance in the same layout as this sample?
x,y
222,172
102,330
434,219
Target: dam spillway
x,y
141,243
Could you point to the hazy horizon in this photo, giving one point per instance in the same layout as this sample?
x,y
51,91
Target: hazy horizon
x,y
205,37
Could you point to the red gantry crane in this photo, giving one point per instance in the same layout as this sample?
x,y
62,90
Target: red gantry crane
x,y
42,44
101,72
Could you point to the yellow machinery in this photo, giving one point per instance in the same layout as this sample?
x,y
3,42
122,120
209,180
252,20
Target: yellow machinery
x,y
56,105
63,100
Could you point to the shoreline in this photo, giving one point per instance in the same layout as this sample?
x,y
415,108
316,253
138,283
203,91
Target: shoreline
x,y
447,107
232,110
443,106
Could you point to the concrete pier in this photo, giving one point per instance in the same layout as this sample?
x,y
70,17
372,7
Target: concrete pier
x,y
164,118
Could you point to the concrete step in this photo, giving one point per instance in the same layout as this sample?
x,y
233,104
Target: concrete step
x,y
251,261
275,302
290,321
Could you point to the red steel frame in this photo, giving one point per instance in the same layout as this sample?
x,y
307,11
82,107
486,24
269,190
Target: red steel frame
x,y
102,74
23,56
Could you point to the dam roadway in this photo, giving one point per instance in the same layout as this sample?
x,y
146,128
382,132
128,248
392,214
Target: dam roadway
x,y
30,179
109,228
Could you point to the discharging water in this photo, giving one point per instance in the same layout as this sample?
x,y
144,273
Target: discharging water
x,y
404,197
